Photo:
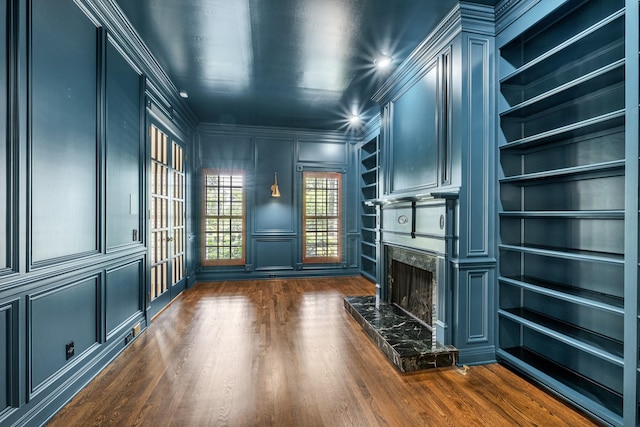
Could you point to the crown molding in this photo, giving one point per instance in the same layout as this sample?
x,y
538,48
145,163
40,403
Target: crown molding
x,y
307,135
371,128
463,17
120,30
507,11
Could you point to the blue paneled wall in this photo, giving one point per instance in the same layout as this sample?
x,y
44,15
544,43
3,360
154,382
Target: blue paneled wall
x,y
274,241
75,90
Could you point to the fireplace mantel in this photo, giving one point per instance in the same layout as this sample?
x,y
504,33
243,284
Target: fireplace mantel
x,y
447,193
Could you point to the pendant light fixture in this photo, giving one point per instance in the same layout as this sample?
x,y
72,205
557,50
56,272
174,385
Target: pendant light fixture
x,y
275,192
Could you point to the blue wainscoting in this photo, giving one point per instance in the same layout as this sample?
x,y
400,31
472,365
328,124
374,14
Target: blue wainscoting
x,y
61,315
274,254
124,298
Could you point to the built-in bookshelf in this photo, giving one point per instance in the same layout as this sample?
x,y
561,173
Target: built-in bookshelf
x,y
562,192
369,169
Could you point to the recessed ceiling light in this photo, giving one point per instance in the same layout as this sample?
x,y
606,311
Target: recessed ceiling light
x,y
184,94
355,118
383,61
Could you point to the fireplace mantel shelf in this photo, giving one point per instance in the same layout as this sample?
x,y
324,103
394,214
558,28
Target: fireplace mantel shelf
x,y
440,193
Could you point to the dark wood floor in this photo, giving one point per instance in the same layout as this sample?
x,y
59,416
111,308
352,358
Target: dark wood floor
x,y
285,353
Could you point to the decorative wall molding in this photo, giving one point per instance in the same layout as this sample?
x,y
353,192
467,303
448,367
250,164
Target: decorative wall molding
x,y
477,18
212,129
87,338
479,143
9,348
275,246
477,329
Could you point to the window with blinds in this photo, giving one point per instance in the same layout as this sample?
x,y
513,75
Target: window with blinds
x,y
224,218
321,217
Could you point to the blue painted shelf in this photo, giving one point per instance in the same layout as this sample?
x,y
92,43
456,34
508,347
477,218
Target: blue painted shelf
x,y
561,287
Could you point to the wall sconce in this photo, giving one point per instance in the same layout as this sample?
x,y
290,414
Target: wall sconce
x,y
275,192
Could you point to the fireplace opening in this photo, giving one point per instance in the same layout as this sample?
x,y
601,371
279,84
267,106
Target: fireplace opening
x,y
412,283
412,289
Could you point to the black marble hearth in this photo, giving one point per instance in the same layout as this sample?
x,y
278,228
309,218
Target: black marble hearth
x,y
403,339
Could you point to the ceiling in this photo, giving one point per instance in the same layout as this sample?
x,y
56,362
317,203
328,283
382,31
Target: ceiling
x,y
283,63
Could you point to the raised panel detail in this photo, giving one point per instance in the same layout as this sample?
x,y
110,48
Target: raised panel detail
x,y
274,214
414,134
4,137
477,307
352,250
123,294
63,172
226,151
123,151
274,254
7,361
57,317
322,152
479,121
397,226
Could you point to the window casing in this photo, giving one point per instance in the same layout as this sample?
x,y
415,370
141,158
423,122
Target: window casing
x,y
321,217
224,218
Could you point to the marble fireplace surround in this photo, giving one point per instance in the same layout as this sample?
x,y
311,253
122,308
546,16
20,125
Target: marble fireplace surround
x,y
412,283
406,335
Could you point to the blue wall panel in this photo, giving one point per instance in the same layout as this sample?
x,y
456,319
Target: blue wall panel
x,y
63,131
4,137
274,254
352,252
322,152
414,154
226,151
477,167
478,307
123,150
58,316
274,215
123,294
6,340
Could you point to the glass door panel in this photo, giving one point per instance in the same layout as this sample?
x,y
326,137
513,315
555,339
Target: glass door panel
x,y
159,212
166,220
178,230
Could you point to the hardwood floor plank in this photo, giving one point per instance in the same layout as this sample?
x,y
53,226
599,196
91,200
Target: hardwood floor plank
x,y
285,353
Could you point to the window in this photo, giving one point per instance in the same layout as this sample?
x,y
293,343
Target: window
x,y
224,218
321,218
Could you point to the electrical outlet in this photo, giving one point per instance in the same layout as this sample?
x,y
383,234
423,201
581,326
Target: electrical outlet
x,y
128,338
70,349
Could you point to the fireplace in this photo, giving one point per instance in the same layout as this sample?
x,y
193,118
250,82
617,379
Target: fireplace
x,y
404,325
407,318
412,283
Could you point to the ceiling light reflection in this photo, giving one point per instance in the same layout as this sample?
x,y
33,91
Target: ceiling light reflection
x,y
227,60
327,33
383,61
